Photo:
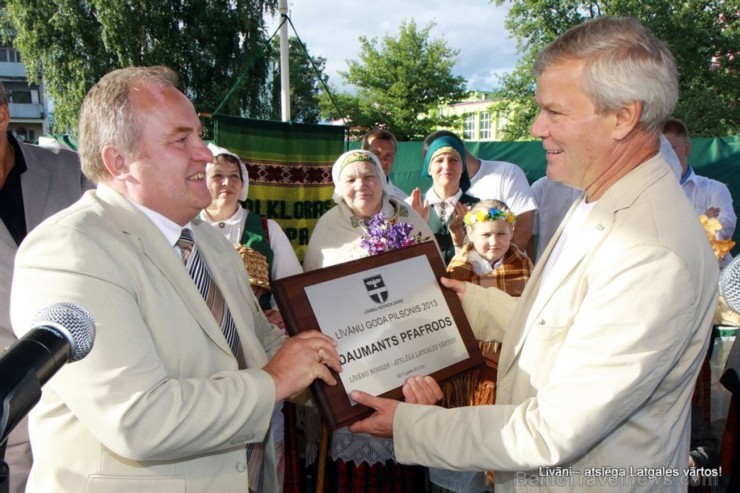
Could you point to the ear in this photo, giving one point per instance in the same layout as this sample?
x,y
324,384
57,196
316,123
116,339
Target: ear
x,y
688,147
4,117
627,119
114,161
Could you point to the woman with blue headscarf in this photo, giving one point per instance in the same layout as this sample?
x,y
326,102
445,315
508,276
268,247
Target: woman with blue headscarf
x,y
445,203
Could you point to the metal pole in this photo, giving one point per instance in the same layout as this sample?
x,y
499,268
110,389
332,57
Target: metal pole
x,y
284,65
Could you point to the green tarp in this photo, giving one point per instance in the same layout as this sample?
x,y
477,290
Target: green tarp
x,y
290,166
717,158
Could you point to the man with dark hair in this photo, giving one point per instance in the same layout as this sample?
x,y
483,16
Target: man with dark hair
x,y
384,145
708,196
35,182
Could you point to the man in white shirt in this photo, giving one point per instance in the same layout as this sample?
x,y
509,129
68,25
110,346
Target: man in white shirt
x,y
555,199
186,369
709,197
384,145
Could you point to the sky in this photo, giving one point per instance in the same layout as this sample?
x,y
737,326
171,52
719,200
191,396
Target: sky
x,y
331,29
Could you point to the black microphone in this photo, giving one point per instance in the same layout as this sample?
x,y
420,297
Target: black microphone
x,y
729,284
60,333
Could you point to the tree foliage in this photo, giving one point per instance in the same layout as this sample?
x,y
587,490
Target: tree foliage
x,y
306,82
400,83
704,36
211,44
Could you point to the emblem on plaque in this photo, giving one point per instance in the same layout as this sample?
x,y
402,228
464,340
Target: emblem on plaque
x,y
376,288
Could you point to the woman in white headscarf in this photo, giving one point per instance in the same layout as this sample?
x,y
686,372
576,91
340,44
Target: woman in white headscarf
x,y
360,192
228,183
361,463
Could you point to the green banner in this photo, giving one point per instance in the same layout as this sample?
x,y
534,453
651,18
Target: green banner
x,y
289,169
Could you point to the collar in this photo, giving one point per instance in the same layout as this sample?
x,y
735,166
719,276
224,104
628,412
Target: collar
x,y
480,265
685,177
433,199
235,218
391,211
170,229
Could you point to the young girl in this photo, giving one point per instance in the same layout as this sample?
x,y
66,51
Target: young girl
x,y
490,259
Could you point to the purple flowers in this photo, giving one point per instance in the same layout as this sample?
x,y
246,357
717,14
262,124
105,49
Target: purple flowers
x,y
384,236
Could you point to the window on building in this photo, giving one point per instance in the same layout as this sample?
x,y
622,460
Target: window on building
x,y
485,125
20,97
9,55
502,118
469,127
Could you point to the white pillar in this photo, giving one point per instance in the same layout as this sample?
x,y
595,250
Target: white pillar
x,y
284,64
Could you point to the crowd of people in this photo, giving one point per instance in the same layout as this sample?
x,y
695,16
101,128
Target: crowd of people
x,y
591,294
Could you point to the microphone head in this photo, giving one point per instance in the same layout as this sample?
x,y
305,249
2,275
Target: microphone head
x,y
729,284
74,322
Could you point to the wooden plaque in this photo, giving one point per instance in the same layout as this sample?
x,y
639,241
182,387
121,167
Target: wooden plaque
x,y
392,319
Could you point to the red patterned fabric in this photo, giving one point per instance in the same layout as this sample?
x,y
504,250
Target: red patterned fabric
x,y
391,477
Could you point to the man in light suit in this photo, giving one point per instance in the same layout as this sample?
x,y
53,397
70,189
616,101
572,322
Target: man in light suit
x,y
162,403
35,182
601,352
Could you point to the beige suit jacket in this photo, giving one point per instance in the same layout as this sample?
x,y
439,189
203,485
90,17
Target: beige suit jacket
x,y
598,364
159,403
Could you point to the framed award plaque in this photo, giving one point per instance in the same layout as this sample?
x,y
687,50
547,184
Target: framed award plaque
x,y
391,318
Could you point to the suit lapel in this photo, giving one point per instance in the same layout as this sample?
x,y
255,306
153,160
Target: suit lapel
x,y
594,229
7,238
36,185
538,293
235,297
153,245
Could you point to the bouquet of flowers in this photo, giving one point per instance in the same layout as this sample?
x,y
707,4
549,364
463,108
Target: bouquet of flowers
x,y
711,227
386,235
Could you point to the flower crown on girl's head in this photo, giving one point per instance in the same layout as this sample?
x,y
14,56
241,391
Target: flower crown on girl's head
x,y
492,214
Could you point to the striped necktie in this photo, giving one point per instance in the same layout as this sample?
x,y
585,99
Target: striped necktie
x,y
198,270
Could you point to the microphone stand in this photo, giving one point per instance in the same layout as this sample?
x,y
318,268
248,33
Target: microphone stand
x,y
14,405
4,470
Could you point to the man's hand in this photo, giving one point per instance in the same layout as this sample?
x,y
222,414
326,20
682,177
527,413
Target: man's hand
x,y
301,360
421,390
380,423
712,212
416,390
274,317
457,286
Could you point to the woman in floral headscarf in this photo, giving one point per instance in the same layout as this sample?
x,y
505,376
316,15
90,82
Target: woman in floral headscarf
x,y
360,463
360,193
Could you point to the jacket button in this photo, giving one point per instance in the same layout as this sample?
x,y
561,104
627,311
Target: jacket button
x,y
241,466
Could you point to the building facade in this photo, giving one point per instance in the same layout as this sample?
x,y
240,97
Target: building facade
x,y
28,115
479,122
